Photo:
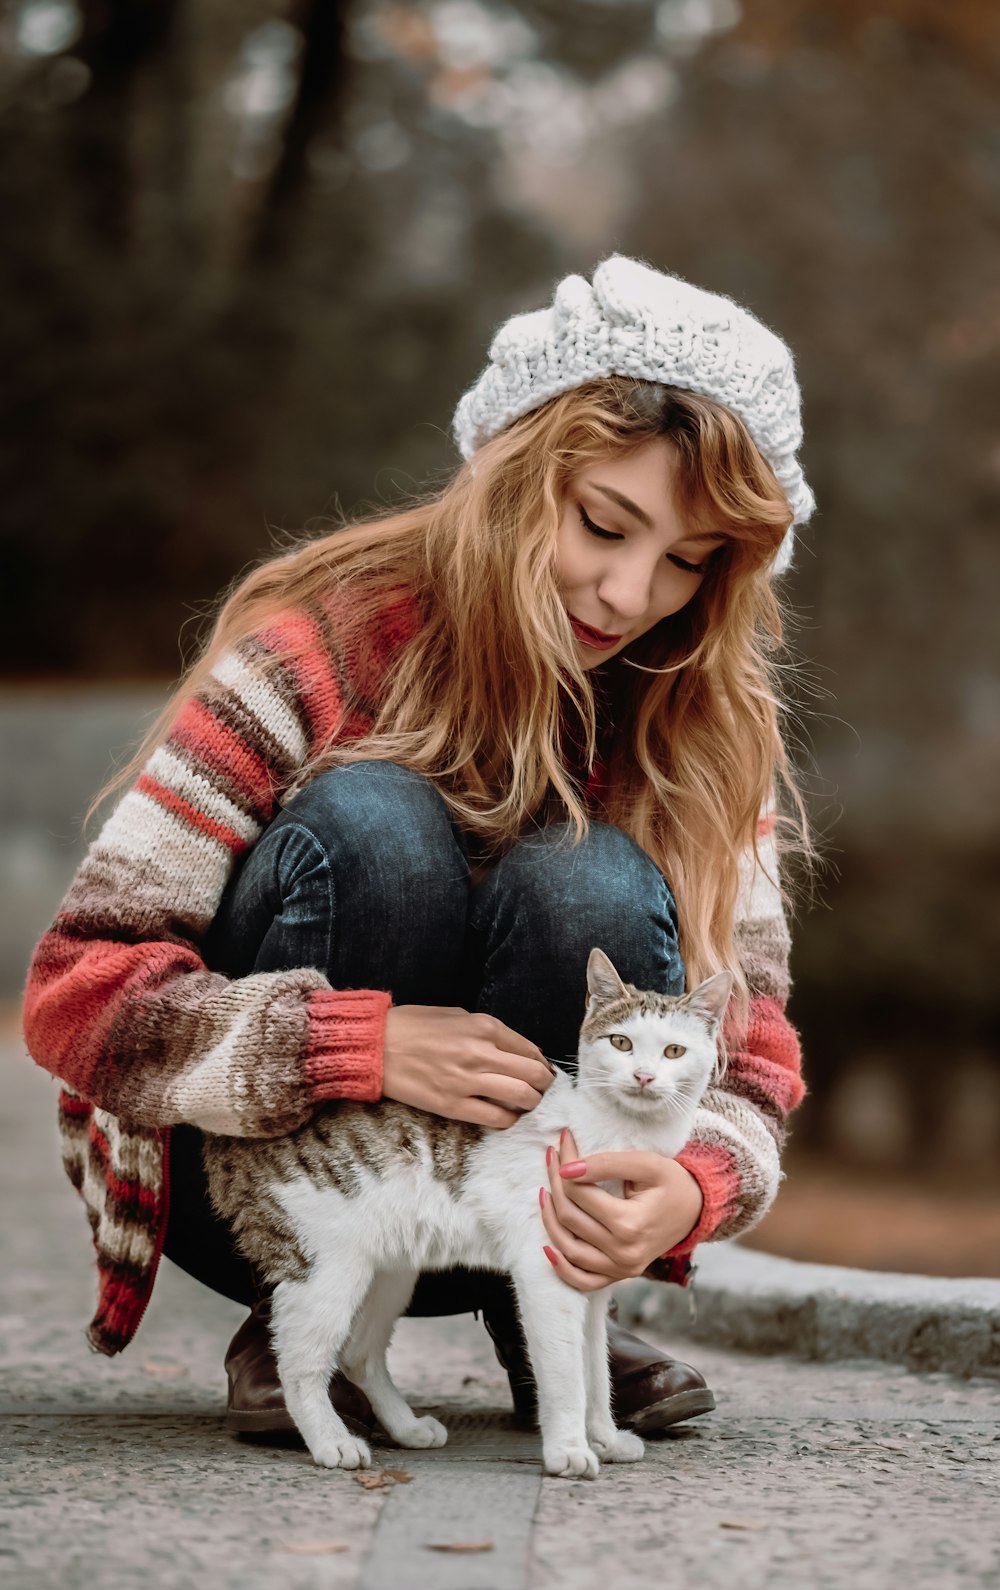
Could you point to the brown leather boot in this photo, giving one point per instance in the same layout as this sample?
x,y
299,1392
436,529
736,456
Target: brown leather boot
x,y
256,1402
649,1391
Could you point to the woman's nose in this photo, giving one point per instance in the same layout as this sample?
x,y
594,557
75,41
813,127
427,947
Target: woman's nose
x,y
627,593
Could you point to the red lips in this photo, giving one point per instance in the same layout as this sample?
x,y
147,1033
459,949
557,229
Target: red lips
x,y
593,637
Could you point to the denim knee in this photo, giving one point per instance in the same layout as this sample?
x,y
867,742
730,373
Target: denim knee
x,y
362,875
604,891
379,812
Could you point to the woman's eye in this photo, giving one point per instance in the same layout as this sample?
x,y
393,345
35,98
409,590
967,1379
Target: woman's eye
x,y
612,535
619,1041
673,1051
595,529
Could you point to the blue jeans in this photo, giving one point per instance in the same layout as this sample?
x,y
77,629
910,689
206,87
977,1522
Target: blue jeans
x,y
366,875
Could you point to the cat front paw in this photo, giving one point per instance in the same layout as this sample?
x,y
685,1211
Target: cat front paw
x,y
618,1446
422,1432
570,1462
342,1452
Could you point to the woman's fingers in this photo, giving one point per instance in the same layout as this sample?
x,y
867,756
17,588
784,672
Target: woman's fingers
x,y
512,1093
582,1280
440,1058
482,1112
575,1219
538,1074
497,1033
601,1206
604,1208
579,1253
645,1169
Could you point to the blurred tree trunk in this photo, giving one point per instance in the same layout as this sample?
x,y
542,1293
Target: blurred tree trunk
x,y
118,38
321,24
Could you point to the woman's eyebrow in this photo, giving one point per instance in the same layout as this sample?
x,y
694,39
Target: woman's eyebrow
x,y
624,502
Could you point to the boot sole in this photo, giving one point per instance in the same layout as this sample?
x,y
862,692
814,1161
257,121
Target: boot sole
x,y
280,1427
672,1410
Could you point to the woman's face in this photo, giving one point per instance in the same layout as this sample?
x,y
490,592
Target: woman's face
x,y
625,557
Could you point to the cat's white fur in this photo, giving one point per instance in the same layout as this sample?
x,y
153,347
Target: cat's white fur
x,y
367,1250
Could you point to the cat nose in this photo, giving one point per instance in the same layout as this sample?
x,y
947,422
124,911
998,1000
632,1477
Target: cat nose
x,y
642,1077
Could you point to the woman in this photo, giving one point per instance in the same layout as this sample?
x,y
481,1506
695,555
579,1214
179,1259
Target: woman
x,y
423,766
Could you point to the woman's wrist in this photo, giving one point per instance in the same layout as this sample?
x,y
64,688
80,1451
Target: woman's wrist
x,y
689,1200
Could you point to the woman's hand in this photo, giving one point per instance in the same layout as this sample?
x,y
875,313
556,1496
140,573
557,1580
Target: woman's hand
x,y
598,1239
462,1064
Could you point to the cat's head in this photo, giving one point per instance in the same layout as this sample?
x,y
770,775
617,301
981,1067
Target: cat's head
x,y
645,1052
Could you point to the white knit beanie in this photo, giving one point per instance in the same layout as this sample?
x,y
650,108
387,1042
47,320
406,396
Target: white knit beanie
x,y
635,320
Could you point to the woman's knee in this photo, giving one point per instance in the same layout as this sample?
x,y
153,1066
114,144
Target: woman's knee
x,y
361,858
603,891
379,815
362,875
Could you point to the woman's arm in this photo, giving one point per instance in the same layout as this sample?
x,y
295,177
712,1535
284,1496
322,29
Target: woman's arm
x,y
739,1131
119,1002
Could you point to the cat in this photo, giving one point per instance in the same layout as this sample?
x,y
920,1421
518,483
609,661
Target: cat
x,y
341,1216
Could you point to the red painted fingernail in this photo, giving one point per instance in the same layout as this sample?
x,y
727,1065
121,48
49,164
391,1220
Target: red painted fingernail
x,y
541,1196
550,1256
562,1136
548,1155
577,1167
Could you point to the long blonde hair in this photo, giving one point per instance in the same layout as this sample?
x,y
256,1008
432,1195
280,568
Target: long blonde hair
x,y
478,698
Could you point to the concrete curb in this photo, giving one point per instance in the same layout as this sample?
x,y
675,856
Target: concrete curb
x,y
758,1303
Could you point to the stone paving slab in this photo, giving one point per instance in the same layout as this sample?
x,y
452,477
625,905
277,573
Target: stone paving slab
x,y
118,1474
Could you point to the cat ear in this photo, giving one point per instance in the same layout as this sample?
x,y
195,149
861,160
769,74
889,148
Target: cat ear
x,y
603,982
711,997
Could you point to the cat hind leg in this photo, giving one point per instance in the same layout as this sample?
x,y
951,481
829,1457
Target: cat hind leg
x,y
364,1362
310,1322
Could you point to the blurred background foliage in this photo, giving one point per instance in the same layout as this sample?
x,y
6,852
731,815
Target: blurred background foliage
x,y
252,254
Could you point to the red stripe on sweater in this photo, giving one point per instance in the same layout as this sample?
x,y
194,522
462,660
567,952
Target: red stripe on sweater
x,y
172,802
93,980
127,1192
120,1303
715,1170
69,1104
771,1034
781,1088
298,639
224,751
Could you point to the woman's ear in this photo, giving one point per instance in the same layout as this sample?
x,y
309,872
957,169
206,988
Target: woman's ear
x,y
603,982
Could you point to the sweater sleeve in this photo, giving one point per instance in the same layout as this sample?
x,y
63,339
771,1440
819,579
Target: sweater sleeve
x,y
119,1003
734,1149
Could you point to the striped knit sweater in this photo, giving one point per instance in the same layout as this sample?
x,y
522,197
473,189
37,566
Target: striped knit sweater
x,y
120,1006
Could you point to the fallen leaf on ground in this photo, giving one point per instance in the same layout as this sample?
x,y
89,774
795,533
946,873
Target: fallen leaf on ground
x,y
377,1478
316,1548
151,1367
459,1545
741,1523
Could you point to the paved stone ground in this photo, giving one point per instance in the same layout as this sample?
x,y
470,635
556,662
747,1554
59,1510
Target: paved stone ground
x,y
118,1473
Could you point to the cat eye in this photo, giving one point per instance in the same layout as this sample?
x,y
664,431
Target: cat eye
x,y
621,1042
673,1051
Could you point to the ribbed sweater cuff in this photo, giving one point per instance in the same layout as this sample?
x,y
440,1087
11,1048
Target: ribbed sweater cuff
x,y
346,1038
715,1172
